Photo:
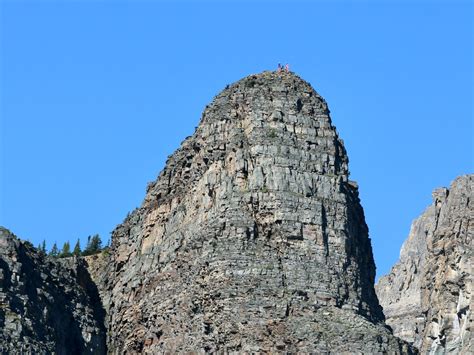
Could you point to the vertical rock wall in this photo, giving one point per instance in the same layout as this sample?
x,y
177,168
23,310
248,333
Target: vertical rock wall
x,y
428,295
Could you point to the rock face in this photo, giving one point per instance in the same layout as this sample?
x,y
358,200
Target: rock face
x,y
46,306
428,295
251,239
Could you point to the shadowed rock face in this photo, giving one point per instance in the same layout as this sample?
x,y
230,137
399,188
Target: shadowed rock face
x,y
46,306
427,296
251,239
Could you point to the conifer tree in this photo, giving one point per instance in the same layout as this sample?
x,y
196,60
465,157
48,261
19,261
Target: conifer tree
x,y
77,248
94,245
54,251
88,246
42,247
66,251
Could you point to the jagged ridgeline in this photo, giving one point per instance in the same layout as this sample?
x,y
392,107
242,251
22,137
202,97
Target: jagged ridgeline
x,y
251,239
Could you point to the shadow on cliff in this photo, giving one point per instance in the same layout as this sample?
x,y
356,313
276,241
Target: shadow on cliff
x,y
55,311
85,281
361,249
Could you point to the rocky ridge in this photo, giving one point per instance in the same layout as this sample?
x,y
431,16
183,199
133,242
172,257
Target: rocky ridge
x,y
251,239
428,295
47,306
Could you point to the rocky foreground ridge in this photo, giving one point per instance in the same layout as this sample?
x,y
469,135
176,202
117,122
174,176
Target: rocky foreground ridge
x,y
46,305
428,295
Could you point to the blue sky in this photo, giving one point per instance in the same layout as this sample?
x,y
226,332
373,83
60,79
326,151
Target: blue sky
x,y
95,96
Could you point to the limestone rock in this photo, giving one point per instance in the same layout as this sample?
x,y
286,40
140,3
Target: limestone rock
x,y
251,239
46,306
428,295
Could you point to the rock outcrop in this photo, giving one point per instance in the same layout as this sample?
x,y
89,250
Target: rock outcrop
x,y
251,239
428,295
46,306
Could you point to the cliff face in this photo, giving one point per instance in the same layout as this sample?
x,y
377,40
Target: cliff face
x,y
46,306
427,297
251,239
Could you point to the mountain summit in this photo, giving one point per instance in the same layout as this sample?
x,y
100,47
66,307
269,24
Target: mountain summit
x,y
251,239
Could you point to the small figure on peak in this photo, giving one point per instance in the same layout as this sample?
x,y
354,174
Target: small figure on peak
x,y
287,67
280,67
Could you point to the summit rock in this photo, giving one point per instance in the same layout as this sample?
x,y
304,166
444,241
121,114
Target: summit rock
x,y
251,239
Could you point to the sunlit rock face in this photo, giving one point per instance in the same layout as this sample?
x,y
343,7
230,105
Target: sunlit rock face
x,y
428,295
251,239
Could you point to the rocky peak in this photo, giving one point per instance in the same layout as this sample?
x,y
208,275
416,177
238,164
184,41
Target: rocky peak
x,y
259,112
251,239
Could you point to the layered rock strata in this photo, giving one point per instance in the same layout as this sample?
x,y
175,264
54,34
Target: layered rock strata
x,y
251,239
428,295
46,306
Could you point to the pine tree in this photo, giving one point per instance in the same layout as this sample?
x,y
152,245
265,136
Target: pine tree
x,y
88,247
42,247
54,251
66,251
86,250
94,245
77,248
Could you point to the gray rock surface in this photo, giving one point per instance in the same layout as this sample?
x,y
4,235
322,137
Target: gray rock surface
x,y
46,306
428,295
251,239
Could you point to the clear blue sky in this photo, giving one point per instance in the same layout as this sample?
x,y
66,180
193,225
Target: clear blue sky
x,y
95,96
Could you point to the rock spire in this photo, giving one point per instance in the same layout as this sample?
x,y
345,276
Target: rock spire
x,y
251,239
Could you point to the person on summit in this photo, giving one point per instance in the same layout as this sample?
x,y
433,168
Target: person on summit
x,y
279,67
287,67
